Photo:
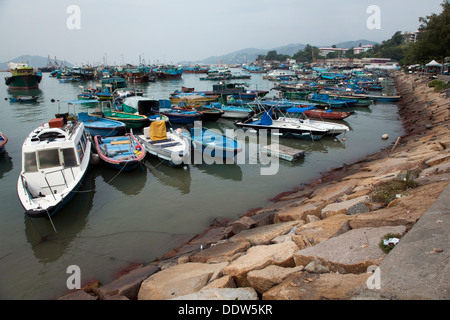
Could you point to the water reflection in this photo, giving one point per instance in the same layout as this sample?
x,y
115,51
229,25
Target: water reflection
x,y
130,183
178,178
222,171
323,145
27,93
48,245
6,163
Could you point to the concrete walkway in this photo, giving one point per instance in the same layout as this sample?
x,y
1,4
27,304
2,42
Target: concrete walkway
x,y
419,266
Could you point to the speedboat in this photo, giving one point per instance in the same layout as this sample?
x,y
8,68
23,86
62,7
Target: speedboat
x,y
298,129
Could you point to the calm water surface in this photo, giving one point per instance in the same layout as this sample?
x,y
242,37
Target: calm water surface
x,y
138,216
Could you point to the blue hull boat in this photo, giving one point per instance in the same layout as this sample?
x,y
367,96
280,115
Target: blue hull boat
x,y
24,99
235,112
181,116
333,102
213,144
103,127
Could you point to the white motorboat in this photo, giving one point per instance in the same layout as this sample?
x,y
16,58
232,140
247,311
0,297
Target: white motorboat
x,y
55,159
172,147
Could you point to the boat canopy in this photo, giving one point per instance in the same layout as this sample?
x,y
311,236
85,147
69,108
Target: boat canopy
x,y
266,119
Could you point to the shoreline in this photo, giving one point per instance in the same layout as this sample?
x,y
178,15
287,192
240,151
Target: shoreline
x,y
322,237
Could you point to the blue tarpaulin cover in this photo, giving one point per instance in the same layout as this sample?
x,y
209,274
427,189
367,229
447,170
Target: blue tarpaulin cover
x,y
266,119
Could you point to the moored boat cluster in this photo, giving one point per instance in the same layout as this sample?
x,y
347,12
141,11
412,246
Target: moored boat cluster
x,y
322,241
127,126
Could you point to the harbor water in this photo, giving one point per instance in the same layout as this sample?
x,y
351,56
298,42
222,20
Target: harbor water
x,y
122,218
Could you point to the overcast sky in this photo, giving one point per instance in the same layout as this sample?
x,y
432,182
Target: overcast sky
x,y
168,31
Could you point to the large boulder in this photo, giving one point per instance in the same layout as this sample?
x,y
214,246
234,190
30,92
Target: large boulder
x,y
327,286
344,206
315,232
221,252
299,213
265,234
179,280
127,285
264,279
332,191
351,252
222,294
259,257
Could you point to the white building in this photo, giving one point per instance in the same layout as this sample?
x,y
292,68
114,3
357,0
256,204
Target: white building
x,y
326,50
362,49
410,36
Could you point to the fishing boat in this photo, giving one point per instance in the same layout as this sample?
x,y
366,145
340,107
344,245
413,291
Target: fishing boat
x,y
192,99
94,125
136,75
210,114
171,147
334,129
373,97
103,96
359,100
298,129
131,120
101,126
86,96
332,101
112,82
181,115
3,141
24,99
325,113
168,72
55,159
195,69
235,112
142,106
281,74
383,98
123,153
212,143
22,77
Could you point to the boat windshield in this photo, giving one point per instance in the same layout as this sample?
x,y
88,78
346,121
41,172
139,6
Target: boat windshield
x,y
70,159
30,163
49,158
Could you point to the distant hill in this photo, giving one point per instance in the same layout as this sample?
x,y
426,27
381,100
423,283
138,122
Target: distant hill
x,y
241,56
250,54
33,61
354,44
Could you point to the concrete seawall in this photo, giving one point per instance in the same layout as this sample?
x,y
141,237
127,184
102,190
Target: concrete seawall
x,y
323,241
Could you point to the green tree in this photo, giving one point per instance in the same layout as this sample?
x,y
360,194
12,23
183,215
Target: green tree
x,y
433,41
308,54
